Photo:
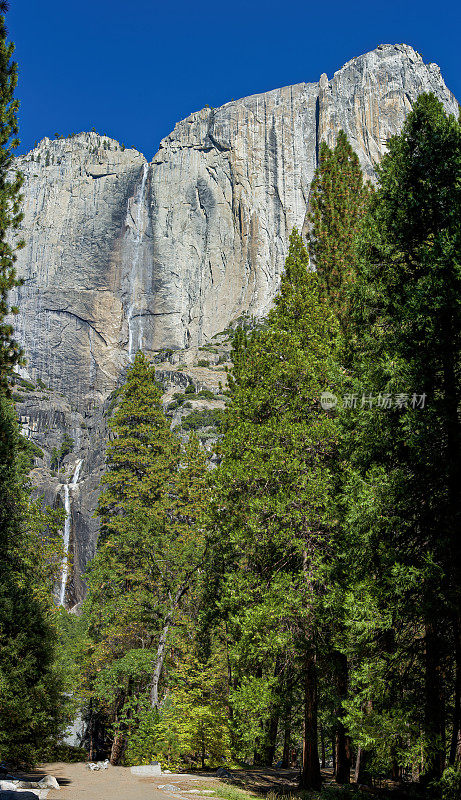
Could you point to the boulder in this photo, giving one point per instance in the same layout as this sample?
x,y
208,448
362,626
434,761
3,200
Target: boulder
x,y
48,782
12,794
147,769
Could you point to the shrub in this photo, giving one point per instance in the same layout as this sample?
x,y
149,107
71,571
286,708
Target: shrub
x,y
58,454
449,786
203,419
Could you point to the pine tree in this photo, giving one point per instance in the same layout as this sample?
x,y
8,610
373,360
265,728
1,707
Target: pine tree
x,y
30,699
29,690
403,494
10,204
149,552
140,459
272,491
337,204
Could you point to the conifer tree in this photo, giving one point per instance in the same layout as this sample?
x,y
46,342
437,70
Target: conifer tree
x,y
338,200
29,690
10,205
150,548
403,494
272,492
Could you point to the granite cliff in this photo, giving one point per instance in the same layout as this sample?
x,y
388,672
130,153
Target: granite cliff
x,y
122,254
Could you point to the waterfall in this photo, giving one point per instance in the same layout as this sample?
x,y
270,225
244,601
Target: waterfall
x,y
66,537
134,270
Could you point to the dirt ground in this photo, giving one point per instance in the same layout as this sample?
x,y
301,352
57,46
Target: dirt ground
x,y
78,782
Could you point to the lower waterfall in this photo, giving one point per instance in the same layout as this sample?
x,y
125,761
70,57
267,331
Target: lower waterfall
x,y
66,537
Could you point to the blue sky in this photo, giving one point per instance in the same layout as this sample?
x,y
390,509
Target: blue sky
x,y
132,69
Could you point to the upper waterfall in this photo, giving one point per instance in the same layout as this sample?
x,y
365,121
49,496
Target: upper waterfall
x,y
135,315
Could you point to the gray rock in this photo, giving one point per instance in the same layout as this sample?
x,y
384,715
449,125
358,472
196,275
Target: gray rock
x,y
169,787
221,772
120,253
147,769
48,782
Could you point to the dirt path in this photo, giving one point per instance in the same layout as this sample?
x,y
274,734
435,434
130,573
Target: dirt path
x,y
77,782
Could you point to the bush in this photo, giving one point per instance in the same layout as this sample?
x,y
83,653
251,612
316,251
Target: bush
x,y
449,786
65,753
190,389
141,747
203,363
206,393
24,385
203,419
58,454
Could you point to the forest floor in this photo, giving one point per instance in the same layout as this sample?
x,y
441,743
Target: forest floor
x,y
78,782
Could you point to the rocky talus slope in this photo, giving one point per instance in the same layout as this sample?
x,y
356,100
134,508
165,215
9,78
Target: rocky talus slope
x,y
122,254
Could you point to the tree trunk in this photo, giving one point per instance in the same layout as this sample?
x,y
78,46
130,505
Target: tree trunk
x,y
310,776
161,648
271,739
118,747
455,747
433,711
342,757
157,674
286,740
362,773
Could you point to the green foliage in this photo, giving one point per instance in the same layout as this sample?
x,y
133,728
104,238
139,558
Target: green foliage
x,y
338,202
30,699
190,389
10,207
149,551
449,786
203,363
194,716
203,419
401,493
58,454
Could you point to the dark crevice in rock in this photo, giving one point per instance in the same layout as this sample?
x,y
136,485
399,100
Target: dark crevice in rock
x,y
72,314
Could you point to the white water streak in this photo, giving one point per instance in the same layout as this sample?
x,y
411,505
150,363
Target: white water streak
x,y
134,270
66,537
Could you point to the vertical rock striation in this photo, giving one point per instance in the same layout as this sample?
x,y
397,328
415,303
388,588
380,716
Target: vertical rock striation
x,y
121,253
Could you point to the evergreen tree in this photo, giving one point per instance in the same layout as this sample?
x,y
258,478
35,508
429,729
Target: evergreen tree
x,y
403,504
30,700
29,689
10,204
150,549
271,495
338,201
337,204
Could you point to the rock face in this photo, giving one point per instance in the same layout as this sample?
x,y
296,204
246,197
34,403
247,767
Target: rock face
x,y
122,254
